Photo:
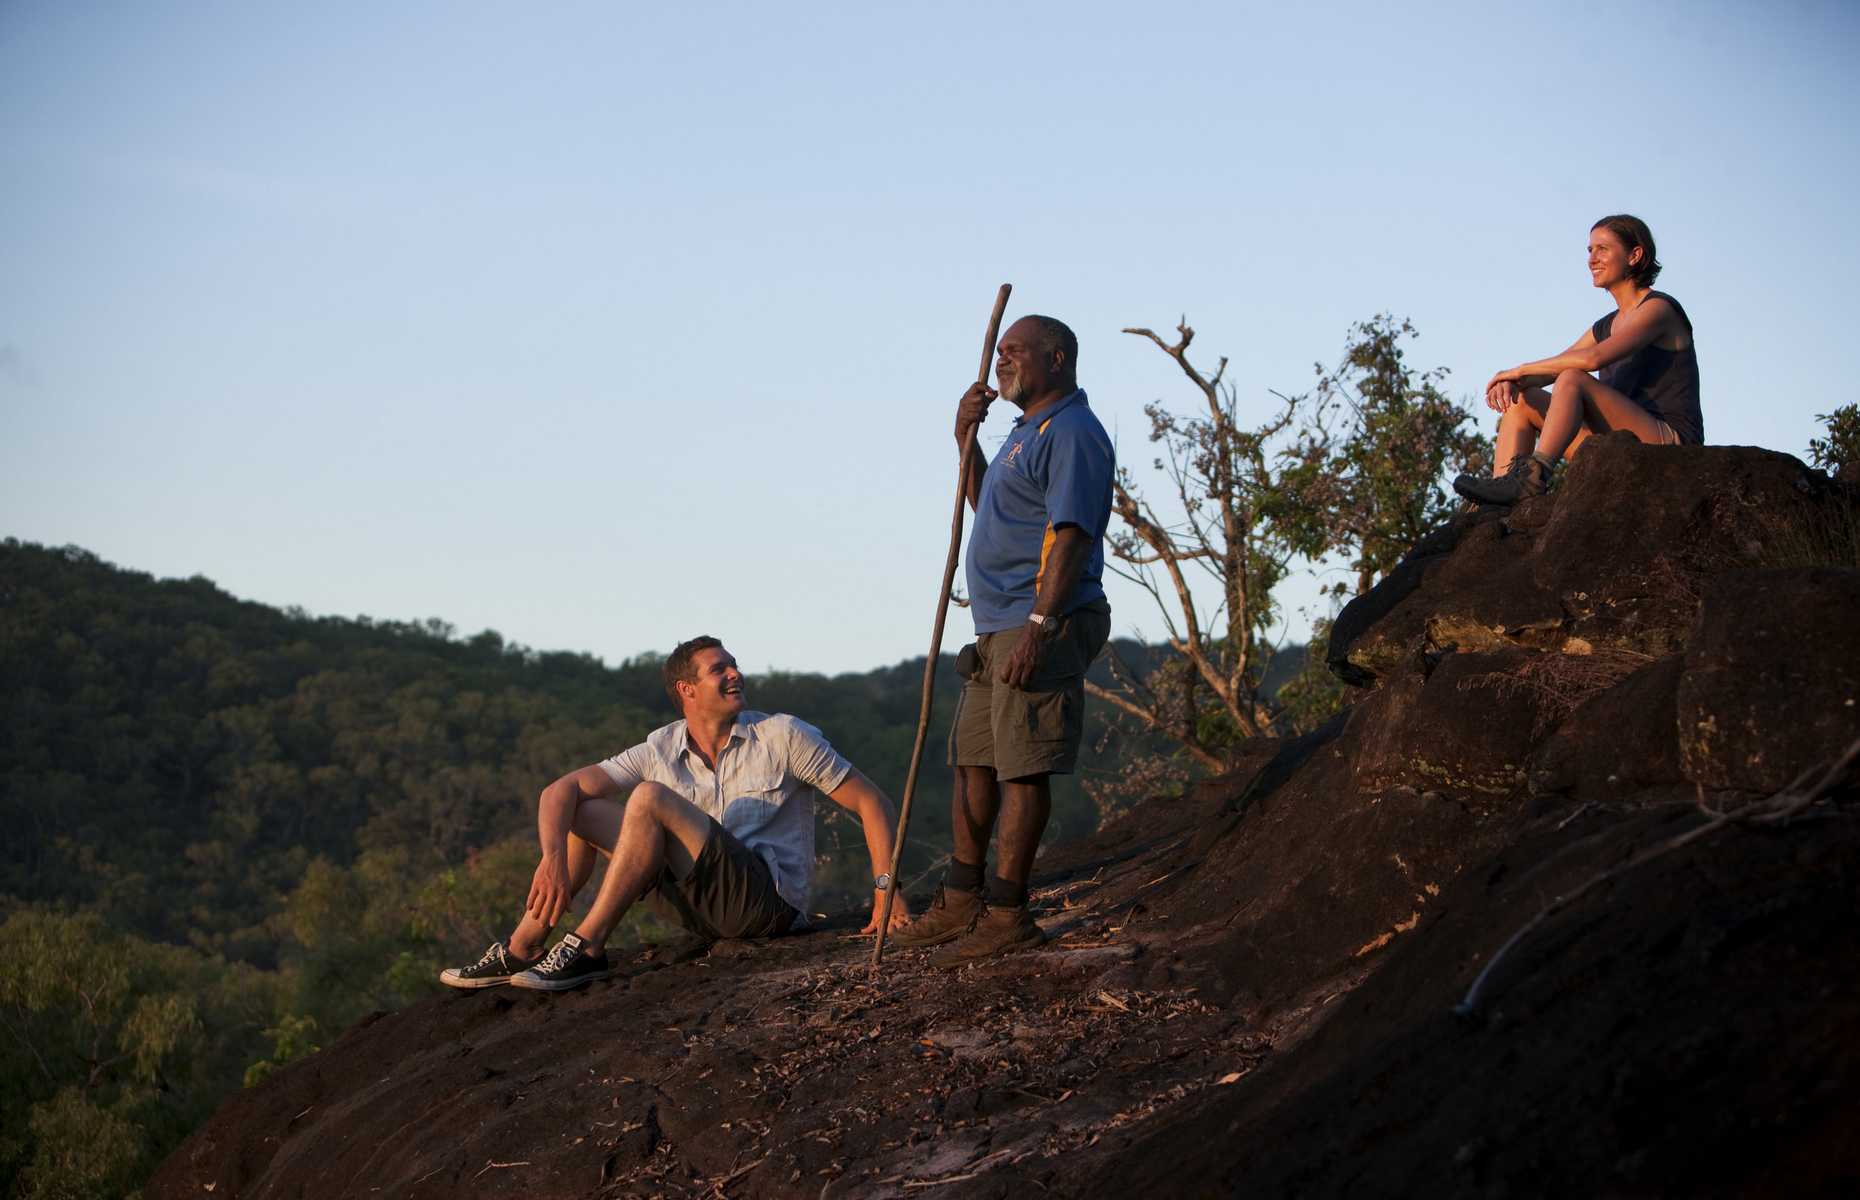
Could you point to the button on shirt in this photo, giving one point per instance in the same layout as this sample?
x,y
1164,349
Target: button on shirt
x,y
1054,470
762,790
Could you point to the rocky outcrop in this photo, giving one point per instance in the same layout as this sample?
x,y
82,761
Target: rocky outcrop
x,y
1262,988
1612,560
1671,567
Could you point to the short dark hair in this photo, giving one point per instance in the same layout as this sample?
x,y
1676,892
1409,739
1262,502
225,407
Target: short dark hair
x,y
1634,232
1057,337
677,668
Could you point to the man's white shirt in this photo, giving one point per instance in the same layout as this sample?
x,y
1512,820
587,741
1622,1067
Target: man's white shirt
x,y
762,790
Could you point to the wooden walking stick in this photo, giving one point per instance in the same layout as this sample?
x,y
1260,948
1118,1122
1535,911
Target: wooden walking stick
x,y
936,632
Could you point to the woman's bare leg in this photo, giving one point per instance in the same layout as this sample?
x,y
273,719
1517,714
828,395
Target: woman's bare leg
x,y
1517,428
1579,405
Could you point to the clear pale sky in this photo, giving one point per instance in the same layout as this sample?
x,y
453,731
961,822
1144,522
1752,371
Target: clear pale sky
x,y
602,325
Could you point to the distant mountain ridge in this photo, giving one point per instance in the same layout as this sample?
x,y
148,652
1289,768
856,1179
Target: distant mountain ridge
x,y
176,755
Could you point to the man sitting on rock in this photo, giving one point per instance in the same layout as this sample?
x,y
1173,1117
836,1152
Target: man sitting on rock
x,y
717,830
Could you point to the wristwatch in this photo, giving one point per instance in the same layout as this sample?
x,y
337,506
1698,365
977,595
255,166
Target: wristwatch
x,y
882,882
1041,623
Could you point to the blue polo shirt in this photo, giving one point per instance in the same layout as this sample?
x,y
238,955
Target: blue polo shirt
x,y
1055,470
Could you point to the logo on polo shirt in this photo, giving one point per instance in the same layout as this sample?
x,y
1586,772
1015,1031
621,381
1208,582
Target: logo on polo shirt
x,y
1012,454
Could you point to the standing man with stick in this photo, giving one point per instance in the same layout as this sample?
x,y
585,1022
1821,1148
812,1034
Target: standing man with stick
x,y
1035,574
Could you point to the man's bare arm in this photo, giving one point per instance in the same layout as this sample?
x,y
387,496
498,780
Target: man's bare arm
x,y
971,411
861,797
1065,562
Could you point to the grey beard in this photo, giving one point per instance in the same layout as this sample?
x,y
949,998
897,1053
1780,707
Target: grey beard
x,y
1014,391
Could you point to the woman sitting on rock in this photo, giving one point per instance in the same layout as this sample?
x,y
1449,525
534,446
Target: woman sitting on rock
x,y
1648,385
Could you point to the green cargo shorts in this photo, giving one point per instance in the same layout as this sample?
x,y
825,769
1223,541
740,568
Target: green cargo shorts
x,y
1034,730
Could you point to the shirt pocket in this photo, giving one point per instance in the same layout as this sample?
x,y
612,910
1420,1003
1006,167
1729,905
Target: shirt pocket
x,y
752,798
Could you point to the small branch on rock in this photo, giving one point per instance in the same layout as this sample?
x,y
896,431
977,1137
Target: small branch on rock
x,y
492,1165
1571,819
929,1183
737,1174
1774,810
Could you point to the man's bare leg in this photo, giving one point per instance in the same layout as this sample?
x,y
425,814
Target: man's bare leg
x,y
656,828
973,809
1026,808
528,938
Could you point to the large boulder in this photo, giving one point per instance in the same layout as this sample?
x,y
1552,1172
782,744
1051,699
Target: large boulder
x,y
1463,587
1613,557
1619,740
1465,729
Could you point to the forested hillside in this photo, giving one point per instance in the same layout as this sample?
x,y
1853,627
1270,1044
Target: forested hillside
x,y
232,829
175,757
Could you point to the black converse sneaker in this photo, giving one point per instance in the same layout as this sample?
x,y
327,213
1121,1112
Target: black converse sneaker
x,y
567,965
496,967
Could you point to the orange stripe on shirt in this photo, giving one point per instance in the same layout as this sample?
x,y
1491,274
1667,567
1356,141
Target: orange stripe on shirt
x,y
1046,548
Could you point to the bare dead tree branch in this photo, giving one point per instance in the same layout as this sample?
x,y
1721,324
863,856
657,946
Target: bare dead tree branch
x,y
1216,469
1155,721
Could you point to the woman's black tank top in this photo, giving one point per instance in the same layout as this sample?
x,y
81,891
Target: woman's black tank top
x,y
1664,382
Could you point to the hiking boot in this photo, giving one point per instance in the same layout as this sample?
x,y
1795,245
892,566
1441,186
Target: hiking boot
x,y
1527,475
1000,930
569,964
496,967
951,914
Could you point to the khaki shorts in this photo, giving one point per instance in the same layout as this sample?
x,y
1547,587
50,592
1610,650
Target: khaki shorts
x,y
730,893
1035,730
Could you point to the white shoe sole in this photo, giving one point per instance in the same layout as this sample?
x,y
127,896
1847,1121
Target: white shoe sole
x,y
529,981
452,978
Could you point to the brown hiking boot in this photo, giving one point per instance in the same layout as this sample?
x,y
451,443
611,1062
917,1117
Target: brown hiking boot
x,y
999,931
1527,476
950,915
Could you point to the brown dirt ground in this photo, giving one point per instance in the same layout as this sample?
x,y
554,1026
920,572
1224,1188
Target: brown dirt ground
x,y
1692,1028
